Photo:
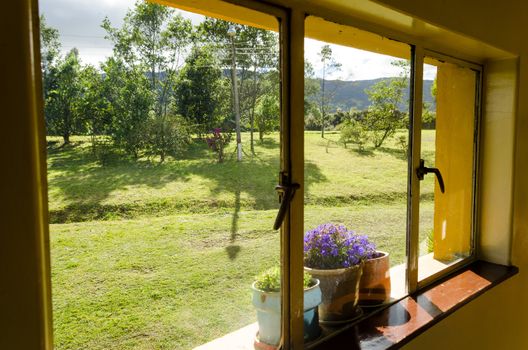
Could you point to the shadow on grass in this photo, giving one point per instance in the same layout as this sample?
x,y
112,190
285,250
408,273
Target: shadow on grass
x,y
395,152
232,185
362,152
267,143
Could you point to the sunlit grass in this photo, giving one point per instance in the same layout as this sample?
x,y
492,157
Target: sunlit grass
x,y
164,254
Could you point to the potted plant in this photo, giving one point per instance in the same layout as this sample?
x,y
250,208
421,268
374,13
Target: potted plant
x,y
335,255
375,284
266,299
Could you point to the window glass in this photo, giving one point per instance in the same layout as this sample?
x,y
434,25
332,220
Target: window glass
x,y
163,132
356,167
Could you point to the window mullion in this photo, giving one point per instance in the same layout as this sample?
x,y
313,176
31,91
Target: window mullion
x,y
292,159
415,129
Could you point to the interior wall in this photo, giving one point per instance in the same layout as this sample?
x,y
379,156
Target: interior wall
x,y
493,321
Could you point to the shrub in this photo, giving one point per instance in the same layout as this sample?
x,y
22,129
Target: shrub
x,y
353,131
217,142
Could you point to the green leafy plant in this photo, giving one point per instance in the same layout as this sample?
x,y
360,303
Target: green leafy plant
x,y
270,280
401,141
430,241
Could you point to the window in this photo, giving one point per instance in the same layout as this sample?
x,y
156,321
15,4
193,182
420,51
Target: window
x,y
449,141
392,155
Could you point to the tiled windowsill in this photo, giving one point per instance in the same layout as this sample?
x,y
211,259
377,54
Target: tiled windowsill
x,y
392,326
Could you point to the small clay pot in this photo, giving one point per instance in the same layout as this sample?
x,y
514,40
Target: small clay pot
x,y
375,284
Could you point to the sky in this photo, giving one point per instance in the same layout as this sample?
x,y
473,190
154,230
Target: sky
x,y
79,26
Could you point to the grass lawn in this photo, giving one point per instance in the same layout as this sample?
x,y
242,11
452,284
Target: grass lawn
x,y
161,256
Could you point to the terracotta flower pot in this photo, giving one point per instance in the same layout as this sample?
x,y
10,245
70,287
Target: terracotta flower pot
x,y
375,285
339,289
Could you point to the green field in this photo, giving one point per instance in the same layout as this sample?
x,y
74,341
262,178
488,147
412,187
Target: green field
x,y
161,256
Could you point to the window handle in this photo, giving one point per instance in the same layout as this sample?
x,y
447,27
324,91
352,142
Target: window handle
x,y
422,170
286,193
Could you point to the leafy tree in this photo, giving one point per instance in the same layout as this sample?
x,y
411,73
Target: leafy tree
x,y
217,142
256,59
311,91
61,115
167,136
201,90
329,66
153,41
130,101
49,52
50,58
267,114
259,60
353,131
428,113
94,109
383,117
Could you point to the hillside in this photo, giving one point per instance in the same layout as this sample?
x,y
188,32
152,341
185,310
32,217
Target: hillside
x,y
351,94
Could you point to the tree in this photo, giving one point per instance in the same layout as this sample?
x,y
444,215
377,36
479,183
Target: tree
x,y
94,108
257,57
259,60
62,117
383,117
130,102
200,91
153,41
49,52
312,89
50,57
329,66
353,130
267,114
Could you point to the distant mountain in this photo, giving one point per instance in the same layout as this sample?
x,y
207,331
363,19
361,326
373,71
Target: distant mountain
x,y
351,94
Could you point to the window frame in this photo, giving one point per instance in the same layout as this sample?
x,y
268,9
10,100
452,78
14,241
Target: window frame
x,y
291,38
413,255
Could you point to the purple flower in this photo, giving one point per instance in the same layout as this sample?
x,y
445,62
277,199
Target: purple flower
x,y
333,246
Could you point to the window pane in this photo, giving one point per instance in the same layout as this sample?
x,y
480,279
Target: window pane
x,y
356,167
158,229
448,129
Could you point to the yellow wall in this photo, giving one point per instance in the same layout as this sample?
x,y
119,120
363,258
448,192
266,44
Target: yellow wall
x,y
496,320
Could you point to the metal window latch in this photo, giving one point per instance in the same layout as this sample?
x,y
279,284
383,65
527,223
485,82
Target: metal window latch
x,y
286,191
422,170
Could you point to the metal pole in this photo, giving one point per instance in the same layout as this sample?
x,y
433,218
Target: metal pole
x,y
235,101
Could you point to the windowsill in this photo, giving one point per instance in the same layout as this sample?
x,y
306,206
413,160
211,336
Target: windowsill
x,y
397,324
394,325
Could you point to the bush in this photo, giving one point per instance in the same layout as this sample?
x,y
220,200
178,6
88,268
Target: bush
x,y
167,136
353,131
218,141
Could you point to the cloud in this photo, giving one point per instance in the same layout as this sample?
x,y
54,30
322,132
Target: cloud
x,y
356,64
79,23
